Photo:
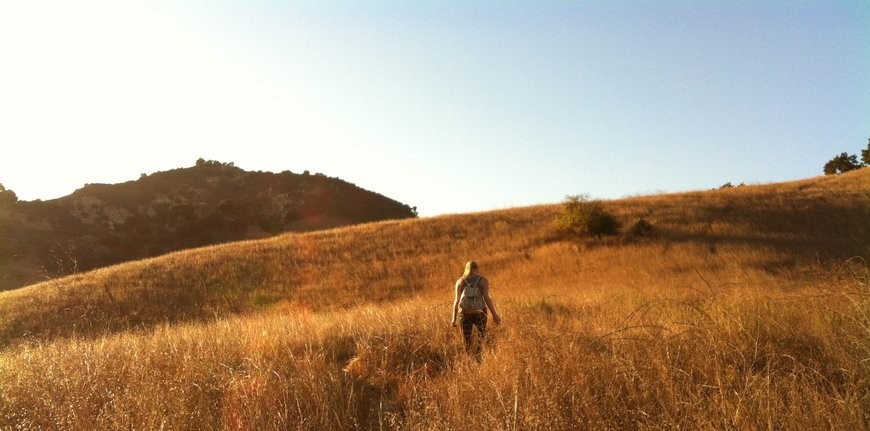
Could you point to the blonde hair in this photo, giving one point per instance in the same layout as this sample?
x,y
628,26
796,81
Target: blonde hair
x,y
470,267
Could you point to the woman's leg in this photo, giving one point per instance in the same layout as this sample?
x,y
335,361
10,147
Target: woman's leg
x,y
467,323
481,334
481,326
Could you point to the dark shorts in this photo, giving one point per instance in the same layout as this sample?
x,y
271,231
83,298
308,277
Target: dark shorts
x,y
468,322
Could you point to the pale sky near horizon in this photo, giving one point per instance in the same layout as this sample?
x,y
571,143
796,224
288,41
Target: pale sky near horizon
x,y
447,106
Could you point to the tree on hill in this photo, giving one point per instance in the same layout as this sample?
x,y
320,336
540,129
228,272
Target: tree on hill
x,y
582,217
7,196
865,154
842,163
203,163
847,162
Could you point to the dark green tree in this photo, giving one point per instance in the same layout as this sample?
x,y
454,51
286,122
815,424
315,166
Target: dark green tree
x,y
865,154
842,163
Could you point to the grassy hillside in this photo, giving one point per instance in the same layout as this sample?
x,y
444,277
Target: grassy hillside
x,y
746,308
210,203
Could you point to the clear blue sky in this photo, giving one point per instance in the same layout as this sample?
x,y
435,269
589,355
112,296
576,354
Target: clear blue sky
x,y
447,106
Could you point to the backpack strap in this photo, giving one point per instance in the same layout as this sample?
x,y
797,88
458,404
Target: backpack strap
x,y
467,284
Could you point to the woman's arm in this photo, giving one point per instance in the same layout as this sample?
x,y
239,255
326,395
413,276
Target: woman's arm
x,y
458,292
489,302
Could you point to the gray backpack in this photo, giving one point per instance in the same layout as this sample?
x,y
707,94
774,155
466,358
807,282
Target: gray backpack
x,y
471,301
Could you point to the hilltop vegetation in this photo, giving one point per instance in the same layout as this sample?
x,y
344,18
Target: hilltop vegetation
x,y
741,308
210,203
846,162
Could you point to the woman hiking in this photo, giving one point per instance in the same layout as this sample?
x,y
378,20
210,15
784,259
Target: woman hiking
x,y
471,301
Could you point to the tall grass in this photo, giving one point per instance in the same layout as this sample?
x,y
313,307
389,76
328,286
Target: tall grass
x,y
745,357
749,308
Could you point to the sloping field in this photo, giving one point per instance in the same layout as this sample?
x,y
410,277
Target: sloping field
x,y
746,308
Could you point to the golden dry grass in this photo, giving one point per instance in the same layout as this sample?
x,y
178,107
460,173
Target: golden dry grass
x,y
748,309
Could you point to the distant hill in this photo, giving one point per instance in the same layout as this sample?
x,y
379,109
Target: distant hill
x,y
212,202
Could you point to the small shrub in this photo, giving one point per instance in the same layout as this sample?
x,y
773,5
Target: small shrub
x,y
639,229
583,217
